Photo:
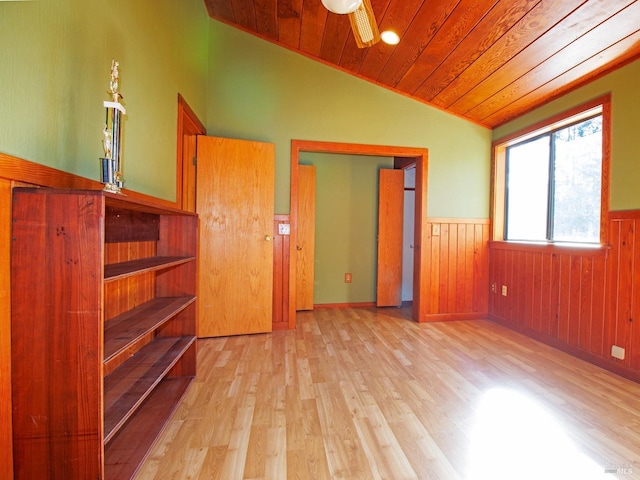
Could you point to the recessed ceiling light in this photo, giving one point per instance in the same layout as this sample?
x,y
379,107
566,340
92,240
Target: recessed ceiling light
x,y
389,37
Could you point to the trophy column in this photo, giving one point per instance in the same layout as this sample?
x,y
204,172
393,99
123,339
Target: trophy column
x,y
111,169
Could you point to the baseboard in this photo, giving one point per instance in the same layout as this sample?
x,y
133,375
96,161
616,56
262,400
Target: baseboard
x,y
344,305
446,317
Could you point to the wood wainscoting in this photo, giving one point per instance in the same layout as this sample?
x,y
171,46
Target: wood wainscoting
x,y
580,300
458,268
622,327
280,318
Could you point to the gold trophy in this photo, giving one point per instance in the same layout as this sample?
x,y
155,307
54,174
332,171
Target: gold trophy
x,y
111,174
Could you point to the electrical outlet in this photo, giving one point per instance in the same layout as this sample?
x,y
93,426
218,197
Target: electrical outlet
x,y
494,287
435,229
504,290
617,352
347,278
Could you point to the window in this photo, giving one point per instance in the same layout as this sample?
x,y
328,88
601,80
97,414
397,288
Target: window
x,y
548,181
553,185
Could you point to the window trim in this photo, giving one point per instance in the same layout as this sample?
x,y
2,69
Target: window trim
x,y
499,154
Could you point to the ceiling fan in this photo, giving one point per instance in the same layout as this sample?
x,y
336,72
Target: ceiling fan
x,y
363,21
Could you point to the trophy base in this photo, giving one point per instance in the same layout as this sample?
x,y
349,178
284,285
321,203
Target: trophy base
x,y
110,176
112,188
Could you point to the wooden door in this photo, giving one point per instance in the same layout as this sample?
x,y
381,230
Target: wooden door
x,y
390,220
305,246
235,195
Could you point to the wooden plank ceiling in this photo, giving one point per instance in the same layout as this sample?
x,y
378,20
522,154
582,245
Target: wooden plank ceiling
x,y
486,60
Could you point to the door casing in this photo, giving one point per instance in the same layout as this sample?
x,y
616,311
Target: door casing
x,y
189,127
404,156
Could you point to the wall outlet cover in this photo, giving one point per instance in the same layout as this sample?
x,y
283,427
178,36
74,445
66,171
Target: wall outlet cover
x,y
617,352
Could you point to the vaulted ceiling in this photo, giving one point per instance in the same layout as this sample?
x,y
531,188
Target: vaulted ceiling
x,y
485,60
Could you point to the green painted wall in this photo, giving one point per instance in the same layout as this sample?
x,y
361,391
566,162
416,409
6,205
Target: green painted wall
x,y
623,84
56,58
346,226
260,91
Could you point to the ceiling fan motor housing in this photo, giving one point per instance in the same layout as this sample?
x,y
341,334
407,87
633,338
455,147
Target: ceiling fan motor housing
x,y
342,7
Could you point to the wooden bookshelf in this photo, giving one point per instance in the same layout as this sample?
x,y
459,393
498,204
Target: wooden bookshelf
x,y
133,325
103,329
136,267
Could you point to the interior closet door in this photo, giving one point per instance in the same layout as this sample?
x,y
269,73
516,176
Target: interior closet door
x,y
235,203
305,242
390,220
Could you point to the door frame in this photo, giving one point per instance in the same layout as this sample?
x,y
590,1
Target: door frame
x,y
188,125
403,157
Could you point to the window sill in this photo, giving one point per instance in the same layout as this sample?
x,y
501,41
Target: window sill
x,y
559,248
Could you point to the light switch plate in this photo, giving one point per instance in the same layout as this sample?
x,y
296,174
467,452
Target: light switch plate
x,y
284,229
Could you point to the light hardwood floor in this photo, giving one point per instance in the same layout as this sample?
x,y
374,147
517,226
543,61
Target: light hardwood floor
x,y
365,393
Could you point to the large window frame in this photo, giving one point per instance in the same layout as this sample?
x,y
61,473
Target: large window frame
x,y
499,163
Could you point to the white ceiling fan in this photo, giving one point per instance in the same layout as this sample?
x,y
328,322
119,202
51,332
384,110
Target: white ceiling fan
x,y
363,21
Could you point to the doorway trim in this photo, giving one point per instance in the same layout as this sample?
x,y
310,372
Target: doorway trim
x,y
403,156
189,127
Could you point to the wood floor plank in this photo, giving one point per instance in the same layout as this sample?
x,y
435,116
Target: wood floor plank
x,y
388,451
234,461
429,462
308,462
360,393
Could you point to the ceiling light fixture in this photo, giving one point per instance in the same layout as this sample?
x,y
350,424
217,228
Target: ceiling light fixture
x,y
389,37
342,7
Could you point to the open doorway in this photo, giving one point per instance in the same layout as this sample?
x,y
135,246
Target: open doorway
x,y
404,157
348,245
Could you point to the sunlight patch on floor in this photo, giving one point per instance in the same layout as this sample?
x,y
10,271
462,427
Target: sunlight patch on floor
x,y
514,436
